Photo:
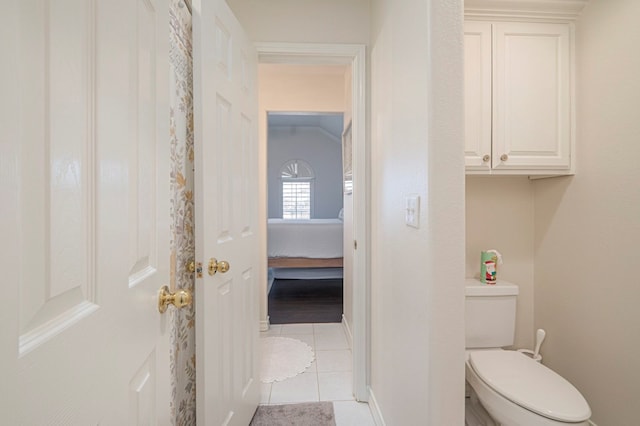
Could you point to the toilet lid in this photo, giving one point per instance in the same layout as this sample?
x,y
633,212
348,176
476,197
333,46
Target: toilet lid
x,y
530,385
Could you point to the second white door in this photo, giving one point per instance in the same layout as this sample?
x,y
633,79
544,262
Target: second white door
x,y
226,193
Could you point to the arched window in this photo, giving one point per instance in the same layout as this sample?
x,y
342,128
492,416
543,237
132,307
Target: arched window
x,y
297,189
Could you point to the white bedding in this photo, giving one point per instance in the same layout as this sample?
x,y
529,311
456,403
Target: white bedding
x,y
314,238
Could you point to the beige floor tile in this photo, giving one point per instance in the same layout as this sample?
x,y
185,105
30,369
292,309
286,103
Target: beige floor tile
x,y
335,386
301,388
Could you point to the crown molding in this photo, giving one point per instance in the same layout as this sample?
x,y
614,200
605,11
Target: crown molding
x,y
555,10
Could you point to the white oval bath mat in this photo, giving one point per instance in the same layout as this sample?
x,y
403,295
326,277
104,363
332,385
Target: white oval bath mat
x,y
283,357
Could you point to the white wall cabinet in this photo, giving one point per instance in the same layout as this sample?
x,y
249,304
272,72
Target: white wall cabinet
x,y
518,91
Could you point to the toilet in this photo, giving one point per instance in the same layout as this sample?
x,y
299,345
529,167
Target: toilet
x,y
508,387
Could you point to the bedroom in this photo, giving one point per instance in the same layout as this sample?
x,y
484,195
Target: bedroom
x,y
305,121
305,217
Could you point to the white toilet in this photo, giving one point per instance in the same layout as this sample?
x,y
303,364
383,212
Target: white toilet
x,y
512,388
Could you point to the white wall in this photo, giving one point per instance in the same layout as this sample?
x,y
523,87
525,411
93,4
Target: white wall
x,y
499,212
417,280
304,21
417,305
322,152
292,88
587,288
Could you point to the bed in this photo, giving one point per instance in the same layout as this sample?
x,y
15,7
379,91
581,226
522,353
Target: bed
x,y
310,243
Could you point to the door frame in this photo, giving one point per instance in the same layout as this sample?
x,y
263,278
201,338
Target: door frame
x,y
354,55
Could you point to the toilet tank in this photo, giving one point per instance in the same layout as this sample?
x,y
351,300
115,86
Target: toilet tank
x,y
490,314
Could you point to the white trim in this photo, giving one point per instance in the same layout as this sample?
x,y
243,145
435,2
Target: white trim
x,y
265,325
592,423
354,55
308,53
572,97
360,321
547,10
347,331
375,410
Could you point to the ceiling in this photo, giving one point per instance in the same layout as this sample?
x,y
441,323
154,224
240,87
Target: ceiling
x,y
331,123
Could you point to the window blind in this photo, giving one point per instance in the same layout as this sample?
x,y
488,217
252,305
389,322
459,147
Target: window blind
x,y
296,200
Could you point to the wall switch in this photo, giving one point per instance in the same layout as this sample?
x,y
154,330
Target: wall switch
x,y
412,212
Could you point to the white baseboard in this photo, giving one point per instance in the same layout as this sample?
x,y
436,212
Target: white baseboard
x,y
347,331
264,325
375,410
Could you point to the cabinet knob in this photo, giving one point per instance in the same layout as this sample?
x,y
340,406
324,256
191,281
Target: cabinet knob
x,y
504,157
486,158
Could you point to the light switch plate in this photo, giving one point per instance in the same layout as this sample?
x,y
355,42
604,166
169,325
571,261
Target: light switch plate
x,y
412,212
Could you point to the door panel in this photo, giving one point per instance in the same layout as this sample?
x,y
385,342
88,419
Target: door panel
x,y
142,394
57,196
222,190
225,69
143,225
477,83
86,212
532,95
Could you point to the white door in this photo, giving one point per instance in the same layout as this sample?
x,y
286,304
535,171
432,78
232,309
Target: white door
x,y
531,96
477,95
84,212
225,101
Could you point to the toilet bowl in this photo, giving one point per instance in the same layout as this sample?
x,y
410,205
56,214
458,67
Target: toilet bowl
x,y
517,391
511,387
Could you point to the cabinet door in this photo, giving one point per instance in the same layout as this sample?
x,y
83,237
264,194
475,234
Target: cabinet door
x,y
531,96
477,80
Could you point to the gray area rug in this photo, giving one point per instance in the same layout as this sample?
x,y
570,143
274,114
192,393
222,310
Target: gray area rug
x,y
307,414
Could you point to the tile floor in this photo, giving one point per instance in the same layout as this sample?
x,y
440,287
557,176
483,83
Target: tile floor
x,y
329,377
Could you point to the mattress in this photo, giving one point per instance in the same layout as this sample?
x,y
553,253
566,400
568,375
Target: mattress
x,y
313,238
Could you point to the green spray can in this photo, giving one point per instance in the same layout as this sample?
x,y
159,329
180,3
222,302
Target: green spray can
x,y
489,261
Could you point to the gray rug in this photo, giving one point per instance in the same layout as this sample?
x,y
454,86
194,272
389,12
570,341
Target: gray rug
x,y
307,414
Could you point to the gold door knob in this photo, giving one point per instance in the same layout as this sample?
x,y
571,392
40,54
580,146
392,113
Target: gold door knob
x,y
179,299
215,266
486,158
504,157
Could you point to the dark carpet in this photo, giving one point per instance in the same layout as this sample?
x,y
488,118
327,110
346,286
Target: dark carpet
x,y
304,301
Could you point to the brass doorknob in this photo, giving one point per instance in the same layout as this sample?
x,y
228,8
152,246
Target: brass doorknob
x,y
179,299
215,266
504,157
486,158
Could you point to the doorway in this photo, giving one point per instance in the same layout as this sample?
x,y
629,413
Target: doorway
x,y
356,257
305,225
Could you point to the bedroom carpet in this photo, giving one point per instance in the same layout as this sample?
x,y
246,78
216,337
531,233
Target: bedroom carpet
x,y
307,414
305,301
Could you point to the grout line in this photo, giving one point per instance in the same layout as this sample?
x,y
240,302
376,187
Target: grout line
x,y
315,335
316,358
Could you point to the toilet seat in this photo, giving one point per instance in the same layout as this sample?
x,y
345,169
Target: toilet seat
x,y
530,385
